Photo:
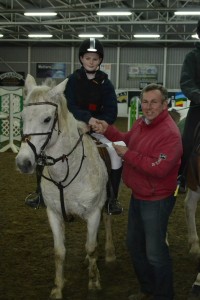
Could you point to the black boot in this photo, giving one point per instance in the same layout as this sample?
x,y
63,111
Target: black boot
x,y
113,207
182,184
35,199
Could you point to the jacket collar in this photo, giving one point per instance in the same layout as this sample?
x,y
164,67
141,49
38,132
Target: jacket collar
x,y
158,119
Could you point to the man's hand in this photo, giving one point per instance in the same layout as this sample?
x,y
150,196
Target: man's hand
x,y
121,150
100,126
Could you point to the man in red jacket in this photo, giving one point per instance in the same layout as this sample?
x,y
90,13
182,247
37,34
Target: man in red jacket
x,y
151,160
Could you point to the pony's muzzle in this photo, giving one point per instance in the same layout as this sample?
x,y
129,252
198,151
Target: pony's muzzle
x,y
25,165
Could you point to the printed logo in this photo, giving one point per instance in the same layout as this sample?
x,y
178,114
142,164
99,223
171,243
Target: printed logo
x,y
161,157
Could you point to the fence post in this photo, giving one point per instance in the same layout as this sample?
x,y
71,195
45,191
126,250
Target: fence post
x,y
11,104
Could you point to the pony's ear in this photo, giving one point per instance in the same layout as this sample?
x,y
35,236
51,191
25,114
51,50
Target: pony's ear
x,y
30,83
58,89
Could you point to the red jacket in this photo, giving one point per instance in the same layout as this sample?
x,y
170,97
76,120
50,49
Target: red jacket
x,y
153,158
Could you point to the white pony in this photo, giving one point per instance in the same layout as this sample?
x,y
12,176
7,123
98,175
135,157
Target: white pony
x,y
74,177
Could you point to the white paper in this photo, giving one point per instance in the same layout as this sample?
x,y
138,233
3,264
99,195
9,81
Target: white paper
x,y
120,143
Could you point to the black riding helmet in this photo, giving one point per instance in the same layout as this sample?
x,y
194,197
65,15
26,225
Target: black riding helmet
x,y
91,45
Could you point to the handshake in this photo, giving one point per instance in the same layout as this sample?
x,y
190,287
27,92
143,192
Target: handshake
x,y
98,126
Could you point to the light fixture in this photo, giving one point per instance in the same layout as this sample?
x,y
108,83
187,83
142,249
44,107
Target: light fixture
x,y
146,35
114,13
187,13
195,36
40,14
91,35
40,35
1,35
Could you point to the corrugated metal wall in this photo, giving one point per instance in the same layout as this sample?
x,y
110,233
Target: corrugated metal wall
x,y
12,58
17,58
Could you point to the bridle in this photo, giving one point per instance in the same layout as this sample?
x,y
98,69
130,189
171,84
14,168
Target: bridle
x,y
43,160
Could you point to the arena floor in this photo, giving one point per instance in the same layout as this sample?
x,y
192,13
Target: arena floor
x,y
26,247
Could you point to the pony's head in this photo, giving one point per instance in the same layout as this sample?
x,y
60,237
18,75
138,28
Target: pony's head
x,y
44,117
47,92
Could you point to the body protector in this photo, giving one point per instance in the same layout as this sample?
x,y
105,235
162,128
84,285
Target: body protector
x,y
89,92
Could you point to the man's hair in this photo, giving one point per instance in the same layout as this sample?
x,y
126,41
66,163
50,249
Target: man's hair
x,y
198,28
155,86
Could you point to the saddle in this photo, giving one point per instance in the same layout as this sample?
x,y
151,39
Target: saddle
x,y
104,155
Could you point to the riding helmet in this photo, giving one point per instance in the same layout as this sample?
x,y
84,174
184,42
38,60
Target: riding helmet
x,y
91,45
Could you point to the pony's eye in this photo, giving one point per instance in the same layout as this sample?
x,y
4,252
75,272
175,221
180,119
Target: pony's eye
x,y
47,120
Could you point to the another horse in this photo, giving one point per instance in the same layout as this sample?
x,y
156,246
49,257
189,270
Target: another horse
x,y
191,201
74,178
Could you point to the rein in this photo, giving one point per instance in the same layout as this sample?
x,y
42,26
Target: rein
x,y
44,160
60,185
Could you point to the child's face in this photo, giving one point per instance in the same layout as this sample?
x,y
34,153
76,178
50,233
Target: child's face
x,y
91,61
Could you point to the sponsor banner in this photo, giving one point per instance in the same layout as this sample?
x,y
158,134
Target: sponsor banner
x,y
142,71
53,70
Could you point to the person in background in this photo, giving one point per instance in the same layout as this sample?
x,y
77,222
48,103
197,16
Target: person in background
x,y
91,97
150,169
190,86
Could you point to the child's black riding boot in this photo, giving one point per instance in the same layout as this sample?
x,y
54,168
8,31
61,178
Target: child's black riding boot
x,y
113,207
35,199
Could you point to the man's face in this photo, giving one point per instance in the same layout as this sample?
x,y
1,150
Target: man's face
x,y
153,104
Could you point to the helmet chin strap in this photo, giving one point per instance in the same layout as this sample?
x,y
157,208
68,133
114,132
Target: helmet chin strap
x,y
91,72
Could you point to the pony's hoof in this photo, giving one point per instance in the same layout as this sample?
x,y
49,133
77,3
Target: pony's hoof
x,y
195,250
56,294
110,256
110,259
194,293
94,286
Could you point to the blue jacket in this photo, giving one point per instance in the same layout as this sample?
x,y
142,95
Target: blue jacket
x,y
91,98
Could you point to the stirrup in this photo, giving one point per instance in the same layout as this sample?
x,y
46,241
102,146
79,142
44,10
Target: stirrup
x,y
33,200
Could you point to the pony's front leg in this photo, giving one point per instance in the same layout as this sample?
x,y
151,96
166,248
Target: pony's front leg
x,y
109,245
58,230
91,249
190,208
